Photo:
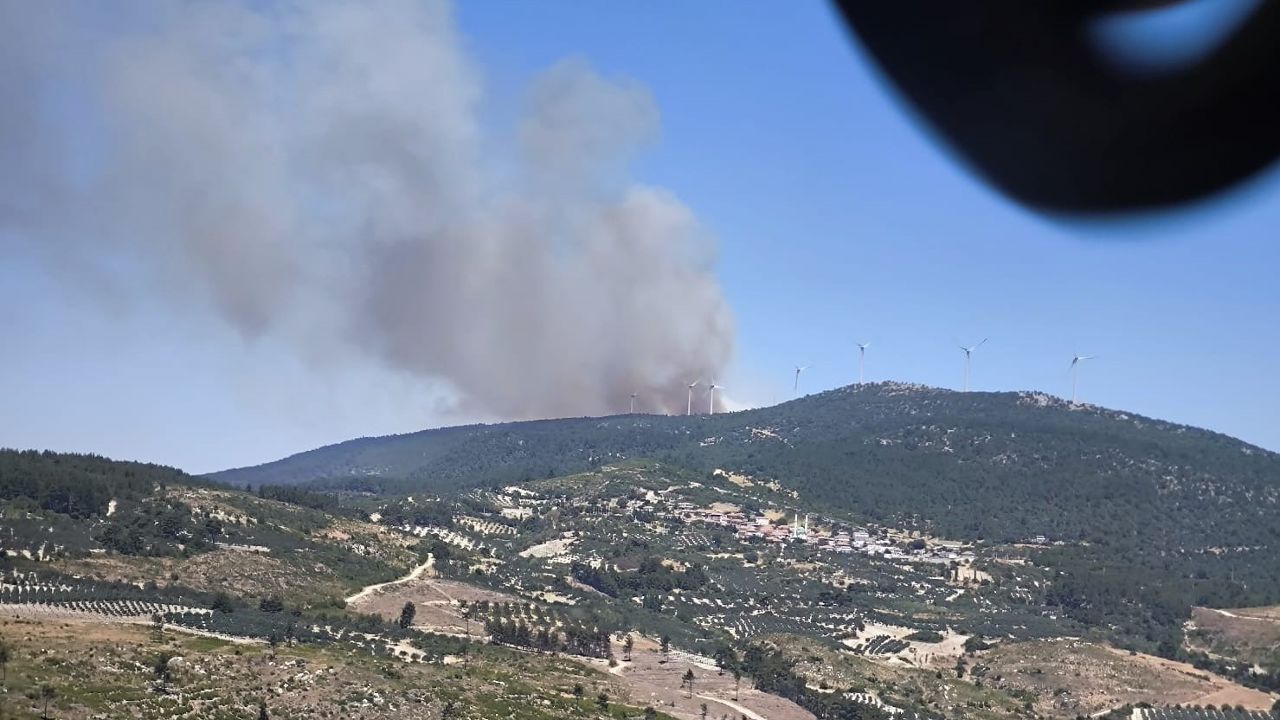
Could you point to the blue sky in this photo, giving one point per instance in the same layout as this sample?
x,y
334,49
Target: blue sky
x,y
837,218
840,219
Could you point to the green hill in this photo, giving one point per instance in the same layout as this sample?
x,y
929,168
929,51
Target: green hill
x,y
1134,520
997,466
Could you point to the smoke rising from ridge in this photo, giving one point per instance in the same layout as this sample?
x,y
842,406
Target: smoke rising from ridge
x,y
321,173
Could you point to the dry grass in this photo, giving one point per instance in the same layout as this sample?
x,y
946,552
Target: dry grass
x,y
653,682
938,690
106,670
437,602
1074,677
244,573
1249,634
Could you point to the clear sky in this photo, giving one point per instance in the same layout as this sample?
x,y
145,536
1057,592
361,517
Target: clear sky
x,y
837,219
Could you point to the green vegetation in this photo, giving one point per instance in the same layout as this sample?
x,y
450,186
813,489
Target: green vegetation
x,y
1141,519
1070,521
773,673
649,580
106,671
996,466
79,486
73,495
406,615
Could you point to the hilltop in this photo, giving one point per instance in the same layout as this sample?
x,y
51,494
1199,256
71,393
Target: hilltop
x,y
1140,519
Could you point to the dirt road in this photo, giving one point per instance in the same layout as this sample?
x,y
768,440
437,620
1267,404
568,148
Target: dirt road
x,y
412,575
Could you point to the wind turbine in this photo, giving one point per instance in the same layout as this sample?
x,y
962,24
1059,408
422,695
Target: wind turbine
x,y
689,408
1075,373
711,398
799,369
633,403
862,356
968,353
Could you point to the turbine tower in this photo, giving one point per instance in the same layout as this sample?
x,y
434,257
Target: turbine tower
x,y
711,398
1075,373
862,356
968,354
689,408
633,404
796,388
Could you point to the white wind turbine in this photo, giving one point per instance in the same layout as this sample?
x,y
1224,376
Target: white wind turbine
x,y
689,408
711,398
633,403
862,356
968,354
1075,373
796,388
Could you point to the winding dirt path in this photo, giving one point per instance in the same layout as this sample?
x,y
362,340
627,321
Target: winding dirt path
x,y
733,706
414,574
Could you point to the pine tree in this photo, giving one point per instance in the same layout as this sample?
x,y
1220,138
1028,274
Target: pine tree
x,y
262,710
406,614
161,669
47,693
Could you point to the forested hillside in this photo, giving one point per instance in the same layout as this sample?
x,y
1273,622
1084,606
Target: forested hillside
x,y
57,503
80,486
997,466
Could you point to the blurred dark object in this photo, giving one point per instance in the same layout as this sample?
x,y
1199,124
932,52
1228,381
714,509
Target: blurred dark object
x,y
1020,90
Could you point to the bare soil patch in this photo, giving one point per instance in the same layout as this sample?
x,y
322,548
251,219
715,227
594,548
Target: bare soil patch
x,y
1249,634
438,603
656,683
1075,677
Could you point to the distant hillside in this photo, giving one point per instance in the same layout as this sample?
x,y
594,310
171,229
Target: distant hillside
x,y
55,503
80,486
1001,466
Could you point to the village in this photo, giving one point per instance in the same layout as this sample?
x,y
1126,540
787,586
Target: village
x,y
827,535
783,527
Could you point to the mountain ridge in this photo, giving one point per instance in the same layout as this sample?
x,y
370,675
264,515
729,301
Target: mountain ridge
x,y
972,465
1031,397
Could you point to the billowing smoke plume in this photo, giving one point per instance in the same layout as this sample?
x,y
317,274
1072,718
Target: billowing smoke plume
x,y
321,173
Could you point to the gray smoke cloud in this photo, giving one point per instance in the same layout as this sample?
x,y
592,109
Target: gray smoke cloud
x,y
322,173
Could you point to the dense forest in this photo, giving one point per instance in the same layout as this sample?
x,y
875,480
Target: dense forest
x,y
70,498
79,486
